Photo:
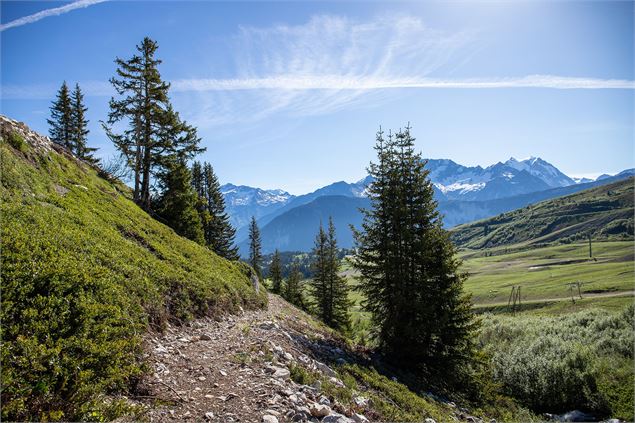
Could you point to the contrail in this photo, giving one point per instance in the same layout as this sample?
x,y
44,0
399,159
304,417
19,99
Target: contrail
x,y
48,12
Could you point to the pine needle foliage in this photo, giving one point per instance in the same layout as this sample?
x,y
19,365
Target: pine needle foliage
x,y
255,247
61,121
79,128
275,273
218,231
328,288
177,203
293,287
155,132
409,271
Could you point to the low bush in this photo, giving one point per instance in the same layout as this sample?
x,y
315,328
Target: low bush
x,y
576,361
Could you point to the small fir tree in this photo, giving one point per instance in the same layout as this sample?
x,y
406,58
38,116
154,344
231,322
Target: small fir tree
x,y
255,246
329,290
79,130
177,203
61,121
275,273
293,288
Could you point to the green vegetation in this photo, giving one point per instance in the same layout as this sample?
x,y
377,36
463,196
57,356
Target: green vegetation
x,y
604,213
255,247
543,273
219,233
84,273
16,141
328,289
581,360
275,273
408,270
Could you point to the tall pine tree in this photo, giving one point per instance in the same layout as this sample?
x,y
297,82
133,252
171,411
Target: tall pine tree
x,y
79,131
409,272
275,273
255,246
61,121
155,131
177,203
328,288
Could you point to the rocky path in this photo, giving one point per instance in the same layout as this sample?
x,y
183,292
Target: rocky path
x,y
238,368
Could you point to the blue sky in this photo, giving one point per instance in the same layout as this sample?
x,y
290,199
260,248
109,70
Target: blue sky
x,y
290,94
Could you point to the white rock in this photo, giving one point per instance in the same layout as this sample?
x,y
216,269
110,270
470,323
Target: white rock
x,y
272,412
429,420
268,418
319,410
337,418
281,373
335,381
361,401
209,415
360,418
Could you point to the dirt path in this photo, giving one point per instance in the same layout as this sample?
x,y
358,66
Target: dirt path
x,y
238,369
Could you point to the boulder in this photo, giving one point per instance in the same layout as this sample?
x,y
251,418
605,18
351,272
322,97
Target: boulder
x,y
325,369
268,418
360,418
319,410
337,418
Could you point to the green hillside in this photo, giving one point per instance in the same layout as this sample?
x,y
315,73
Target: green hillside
x,y
605,213
85,272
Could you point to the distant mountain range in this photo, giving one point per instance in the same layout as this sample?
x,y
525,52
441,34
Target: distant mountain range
x,y
464,194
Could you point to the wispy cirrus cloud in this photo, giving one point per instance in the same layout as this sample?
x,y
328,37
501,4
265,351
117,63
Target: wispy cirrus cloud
x,y
49,12
337,82
325,65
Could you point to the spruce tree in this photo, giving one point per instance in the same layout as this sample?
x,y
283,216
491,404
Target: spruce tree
x,y
409,272
61,121
329,290
155,132
177,203
275,273
293,288
339,301
79,130
255,246
219,233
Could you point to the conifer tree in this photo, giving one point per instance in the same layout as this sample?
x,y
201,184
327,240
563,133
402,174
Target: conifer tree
x,y
61,121
79,131
177,203
275,273
293,289
155,131
219,233
255,245
329,290
409,272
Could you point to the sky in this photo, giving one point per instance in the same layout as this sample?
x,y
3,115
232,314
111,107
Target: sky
x,y
290,94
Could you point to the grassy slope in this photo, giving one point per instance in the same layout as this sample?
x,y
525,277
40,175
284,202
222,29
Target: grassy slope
x,y
84,273
605,212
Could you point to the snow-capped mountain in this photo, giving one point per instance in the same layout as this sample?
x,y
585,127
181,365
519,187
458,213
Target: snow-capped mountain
x,y
543,170
243,202
514,177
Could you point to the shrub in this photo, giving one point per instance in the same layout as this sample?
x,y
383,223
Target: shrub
x,y
582,360
16,141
